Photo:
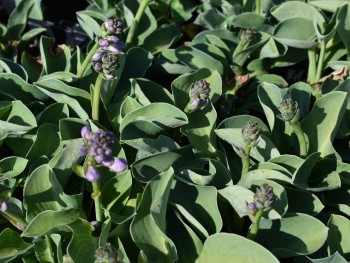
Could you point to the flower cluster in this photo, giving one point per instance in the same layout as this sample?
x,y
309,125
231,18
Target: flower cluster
x,y
99,146
250,133
199,95
263,199
107,255
105,60
289,110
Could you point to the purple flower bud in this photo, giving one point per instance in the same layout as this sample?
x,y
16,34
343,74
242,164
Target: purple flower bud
x,y
97,56
112,26
103,42
113,39
118,165
251,208
115,47
97,66
94,224
92,174
4,205
84,131
82,150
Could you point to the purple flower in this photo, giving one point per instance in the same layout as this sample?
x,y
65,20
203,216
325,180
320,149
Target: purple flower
x,y
251,208
118,164
4,205
92,174
264,197
103,42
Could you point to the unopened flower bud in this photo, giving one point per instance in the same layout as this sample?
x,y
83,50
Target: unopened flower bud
x,y
289,110
251,208
264,197
112,26
247,34
107,255
118,164
250,133
4,205
97,56
115,47
199,95
103,42
92,174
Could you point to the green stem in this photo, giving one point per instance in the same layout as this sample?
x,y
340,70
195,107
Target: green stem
x,y
320,60
257,7
312,66
301,138
96,196
245,160
87,60
96,98
136,22
255,226
240,47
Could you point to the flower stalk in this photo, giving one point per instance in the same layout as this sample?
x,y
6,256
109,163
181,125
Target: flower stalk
x,y
87,60
290,113
135,24
263,199
96,98
96,196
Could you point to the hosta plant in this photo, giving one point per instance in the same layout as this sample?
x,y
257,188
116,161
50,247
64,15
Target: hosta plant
x,y
186,131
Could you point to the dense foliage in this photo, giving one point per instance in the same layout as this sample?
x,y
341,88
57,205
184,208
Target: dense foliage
x,y
185,131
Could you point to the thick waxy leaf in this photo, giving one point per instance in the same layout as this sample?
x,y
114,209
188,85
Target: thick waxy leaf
x,y
53,61
116,191
323,179
8,66
288,33
195,59
91,22
46,142
53,114
335,258
11,167
248,20
15,118
297,9
238,196
218,175
18,19
342,29
188,245
77,99
211,19
161,38
46,221
338,240
162,114
83,244
145,169
339,199
197,204
199,131
301,201
301,235
42,186
247,179
321,125
223,247
12,245
61,163
149,225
